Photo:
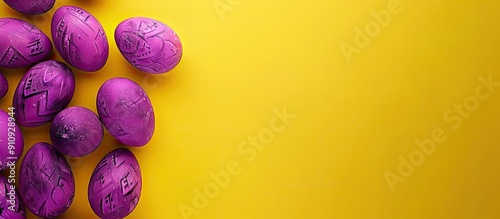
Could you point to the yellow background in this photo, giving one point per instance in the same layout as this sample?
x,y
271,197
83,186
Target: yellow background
x,y
353,120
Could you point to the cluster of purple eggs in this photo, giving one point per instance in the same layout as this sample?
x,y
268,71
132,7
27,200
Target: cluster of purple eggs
x,y
46,181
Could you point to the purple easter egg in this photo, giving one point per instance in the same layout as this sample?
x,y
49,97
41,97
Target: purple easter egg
x,y
76,131
22,44
148,44
126,111
10,202
115,185
46,182
4,85
79,38
31,7
11,140
45,90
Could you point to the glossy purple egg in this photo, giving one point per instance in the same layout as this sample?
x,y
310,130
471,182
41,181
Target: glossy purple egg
x,y
148,44
45,90
76,131
31,7
79,38
115,185
13,207
126,111
11,140
22,44
4,85
46,182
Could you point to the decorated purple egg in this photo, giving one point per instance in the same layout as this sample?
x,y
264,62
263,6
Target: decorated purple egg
x,y
4,85
115,185
22,44
76,131
46,182
126,111
10,202
148,44
31,7
45,90
79,38
11,140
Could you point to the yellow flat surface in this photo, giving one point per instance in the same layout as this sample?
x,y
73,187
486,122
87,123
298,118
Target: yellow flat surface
x,y
303,116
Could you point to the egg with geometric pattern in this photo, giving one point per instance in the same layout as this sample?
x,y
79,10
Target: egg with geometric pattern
x,y
115,185
46,181
45,90
148,44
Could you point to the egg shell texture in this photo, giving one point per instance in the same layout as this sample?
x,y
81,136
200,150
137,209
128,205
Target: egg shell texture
x,y
46,182
4,85
79,38
126,111
45,90
31,7
148,44
115,185
76,131
22,44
